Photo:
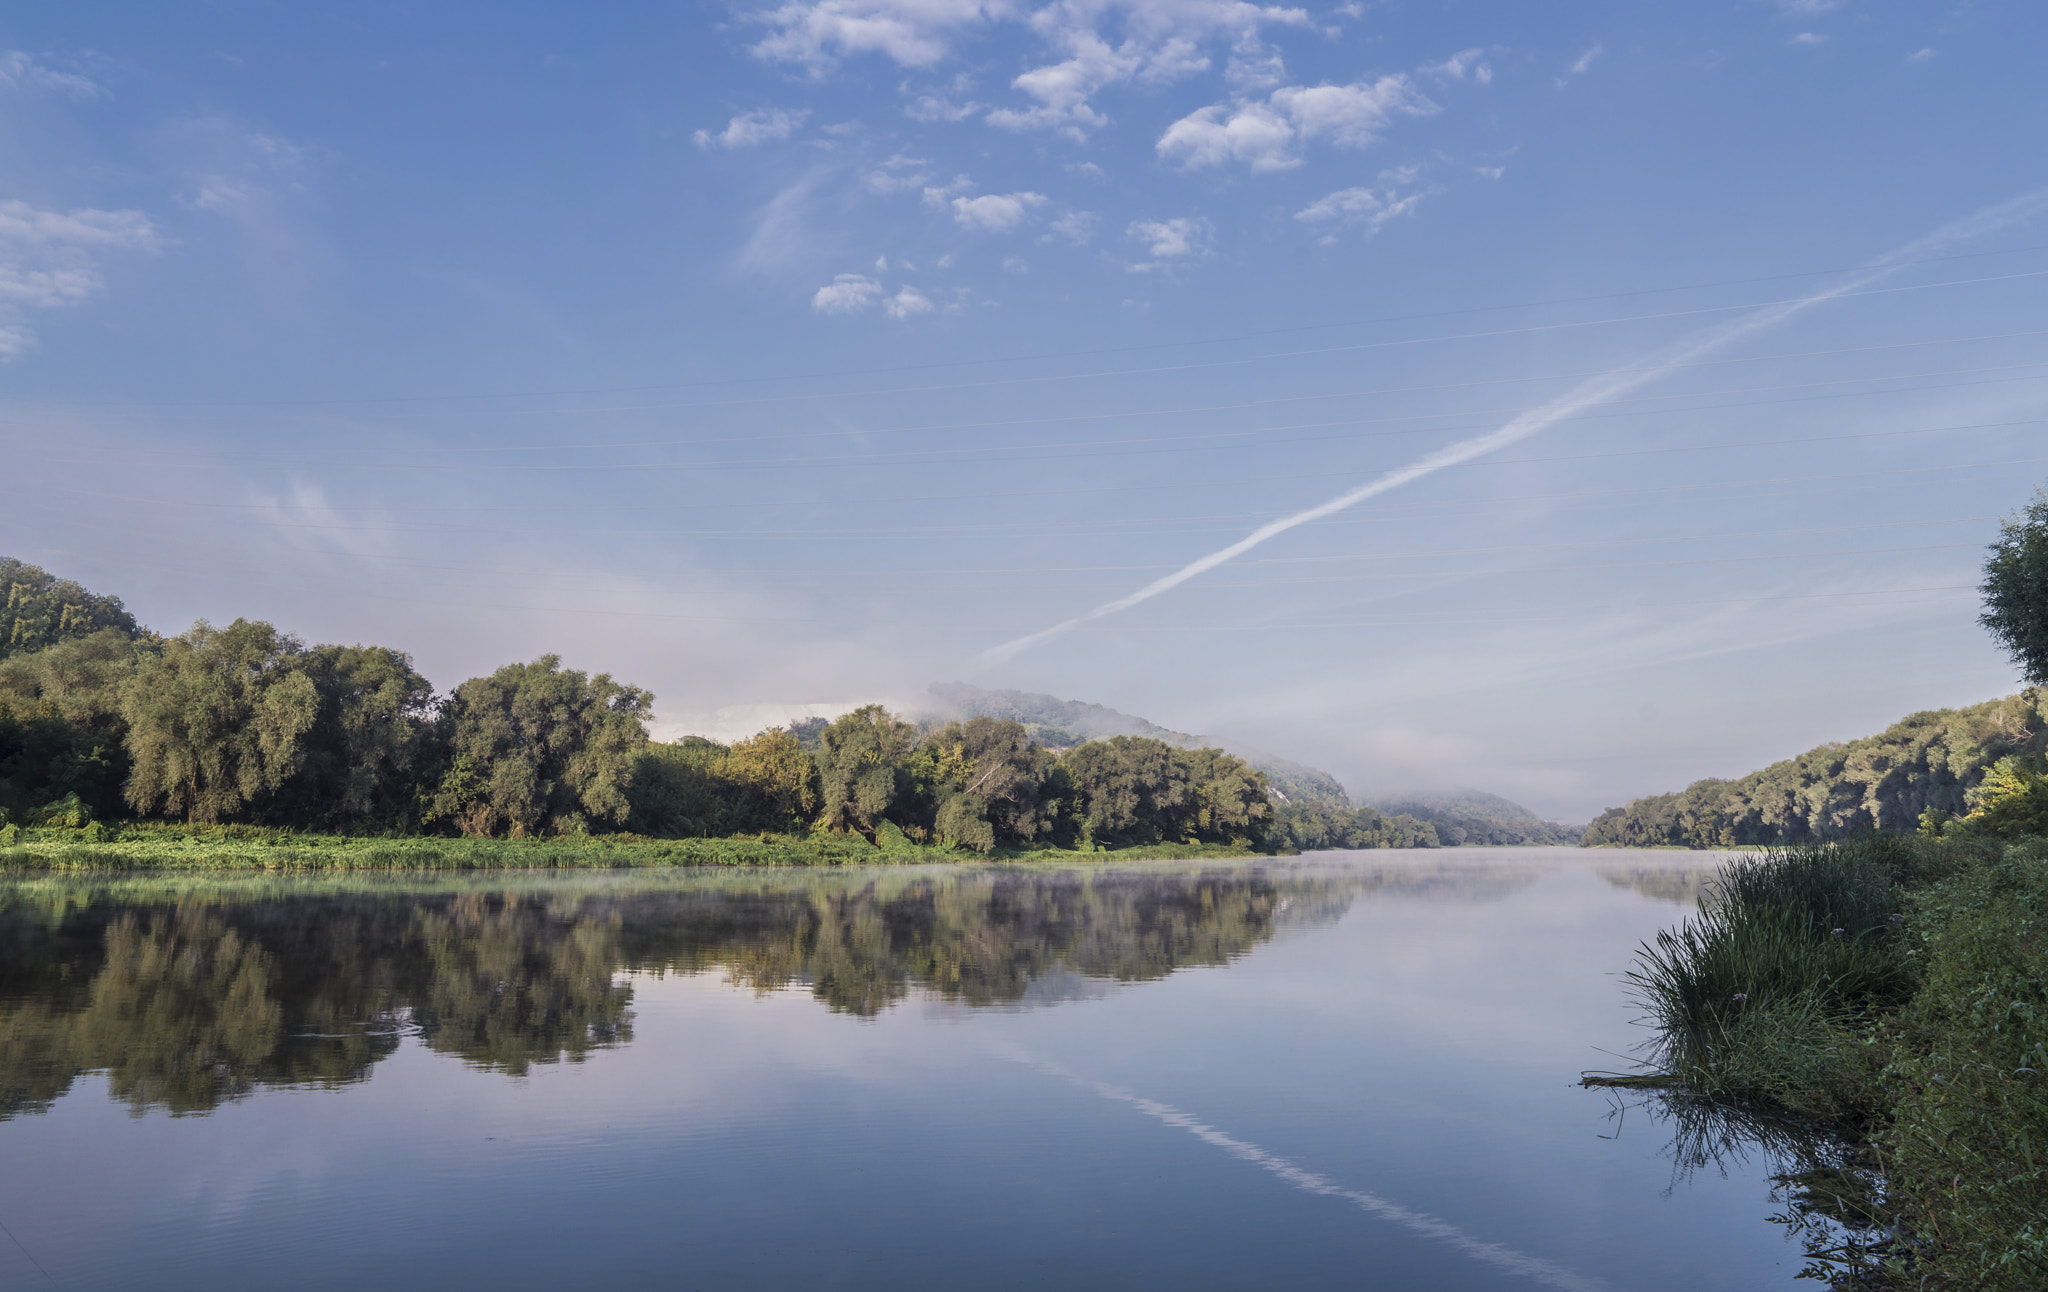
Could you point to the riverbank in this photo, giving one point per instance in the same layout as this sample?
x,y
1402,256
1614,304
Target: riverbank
x,y
1889,995
248,848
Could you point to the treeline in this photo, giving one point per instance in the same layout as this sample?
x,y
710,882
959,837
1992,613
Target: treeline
x,y
1928,769
247,724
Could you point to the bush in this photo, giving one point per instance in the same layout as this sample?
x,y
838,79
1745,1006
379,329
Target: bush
x,y
1760,995
1967,1148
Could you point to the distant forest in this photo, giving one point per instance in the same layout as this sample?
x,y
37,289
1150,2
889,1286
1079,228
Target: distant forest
x,y
1921,771
102,719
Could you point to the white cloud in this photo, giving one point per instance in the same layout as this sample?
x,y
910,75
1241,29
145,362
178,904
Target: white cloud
x,y
1920,55
1579,65
750,128
1465,65
897,175
995,212
1076,227
911,33
48,260
908,303
1363,207
19,71
1807,8
846,294
1169,240
1267,136
934,107
937,195
1808,38
1147,42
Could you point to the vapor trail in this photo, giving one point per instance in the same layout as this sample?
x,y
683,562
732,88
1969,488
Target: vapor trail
x,y
1588,394
1506,1259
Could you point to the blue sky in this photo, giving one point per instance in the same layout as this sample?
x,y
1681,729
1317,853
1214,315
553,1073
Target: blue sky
x,y
801,354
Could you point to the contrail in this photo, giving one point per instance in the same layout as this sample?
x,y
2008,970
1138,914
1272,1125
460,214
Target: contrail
x,y
1506,1259
1594,391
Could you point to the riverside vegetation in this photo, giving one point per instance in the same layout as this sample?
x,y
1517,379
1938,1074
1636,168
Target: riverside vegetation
x,y
241,746
1873,1010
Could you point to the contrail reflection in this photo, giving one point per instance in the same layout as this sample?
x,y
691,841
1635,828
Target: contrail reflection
x,y
1505,1259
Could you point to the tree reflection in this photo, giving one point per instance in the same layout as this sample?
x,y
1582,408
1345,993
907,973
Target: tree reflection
x,y
200,996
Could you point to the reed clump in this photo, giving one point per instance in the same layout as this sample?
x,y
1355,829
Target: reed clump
x,y
1891,993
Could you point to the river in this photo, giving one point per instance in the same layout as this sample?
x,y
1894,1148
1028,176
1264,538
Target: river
x,y
1352,1070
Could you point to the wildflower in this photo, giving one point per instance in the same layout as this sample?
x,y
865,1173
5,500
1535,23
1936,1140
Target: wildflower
x,y
1741,995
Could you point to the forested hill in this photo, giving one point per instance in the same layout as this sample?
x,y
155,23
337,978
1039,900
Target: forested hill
x,y
1885,782
1474,817
1061,723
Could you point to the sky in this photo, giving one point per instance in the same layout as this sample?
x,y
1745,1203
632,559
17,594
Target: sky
x,y
1565,401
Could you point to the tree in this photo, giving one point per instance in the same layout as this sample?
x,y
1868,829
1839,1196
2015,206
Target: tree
x,y
858,757
2015,589
217,720
370,745
37,609
1130,789
540,749
776,779
61,730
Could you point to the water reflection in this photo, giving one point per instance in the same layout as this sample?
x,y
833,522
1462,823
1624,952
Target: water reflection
x,y
189,995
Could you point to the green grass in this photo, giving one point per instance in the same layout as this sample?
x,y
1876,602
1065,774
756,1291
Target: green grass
x,y
255,848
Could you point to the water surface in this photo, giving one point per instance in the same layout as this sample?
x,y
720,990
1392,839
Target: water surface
x,y
1344,1070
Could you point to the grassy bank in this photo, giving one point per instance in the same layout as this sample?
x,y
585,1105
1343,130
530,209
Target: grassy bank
x,y
250,848
1889,996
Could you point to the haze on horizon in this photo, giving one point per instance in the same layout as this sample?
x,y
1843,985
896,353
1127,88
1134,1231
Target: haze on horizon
x,y
797,355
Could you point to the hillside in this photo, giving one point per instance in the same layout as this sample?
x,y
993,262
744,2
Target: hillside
x,y
1060,723
1475,817
1316,812
1883,782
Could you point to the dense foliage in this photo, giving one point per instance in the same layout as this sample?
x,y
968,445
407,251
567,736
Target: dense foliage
x,y
2015,590
247,726
41,610
1928,762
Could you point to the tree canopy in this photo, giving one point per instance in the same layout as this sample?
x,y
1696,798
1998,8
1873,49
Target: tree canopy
x,y
42,610
2015,590
540,749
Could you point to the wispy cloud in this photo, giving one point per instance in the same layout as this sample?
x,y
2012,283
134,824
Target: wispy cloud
x,y
19,71
750,128
1588,394
1579,66
1364,207
50,260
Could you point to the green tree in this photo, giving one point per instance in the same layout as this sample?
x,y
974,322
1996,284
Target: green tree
x,y
540,749
858,768
217,720
1130,789
2015,589
61,729
370,746
41,610
2012,800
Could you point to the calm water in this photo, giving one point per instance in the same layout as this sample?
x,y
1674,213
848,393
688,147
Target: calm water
x,y
1346,1070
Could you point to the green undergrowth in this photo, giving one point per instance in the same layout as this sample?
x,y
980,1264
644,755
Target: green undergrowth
x,y
1890,995
101,847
